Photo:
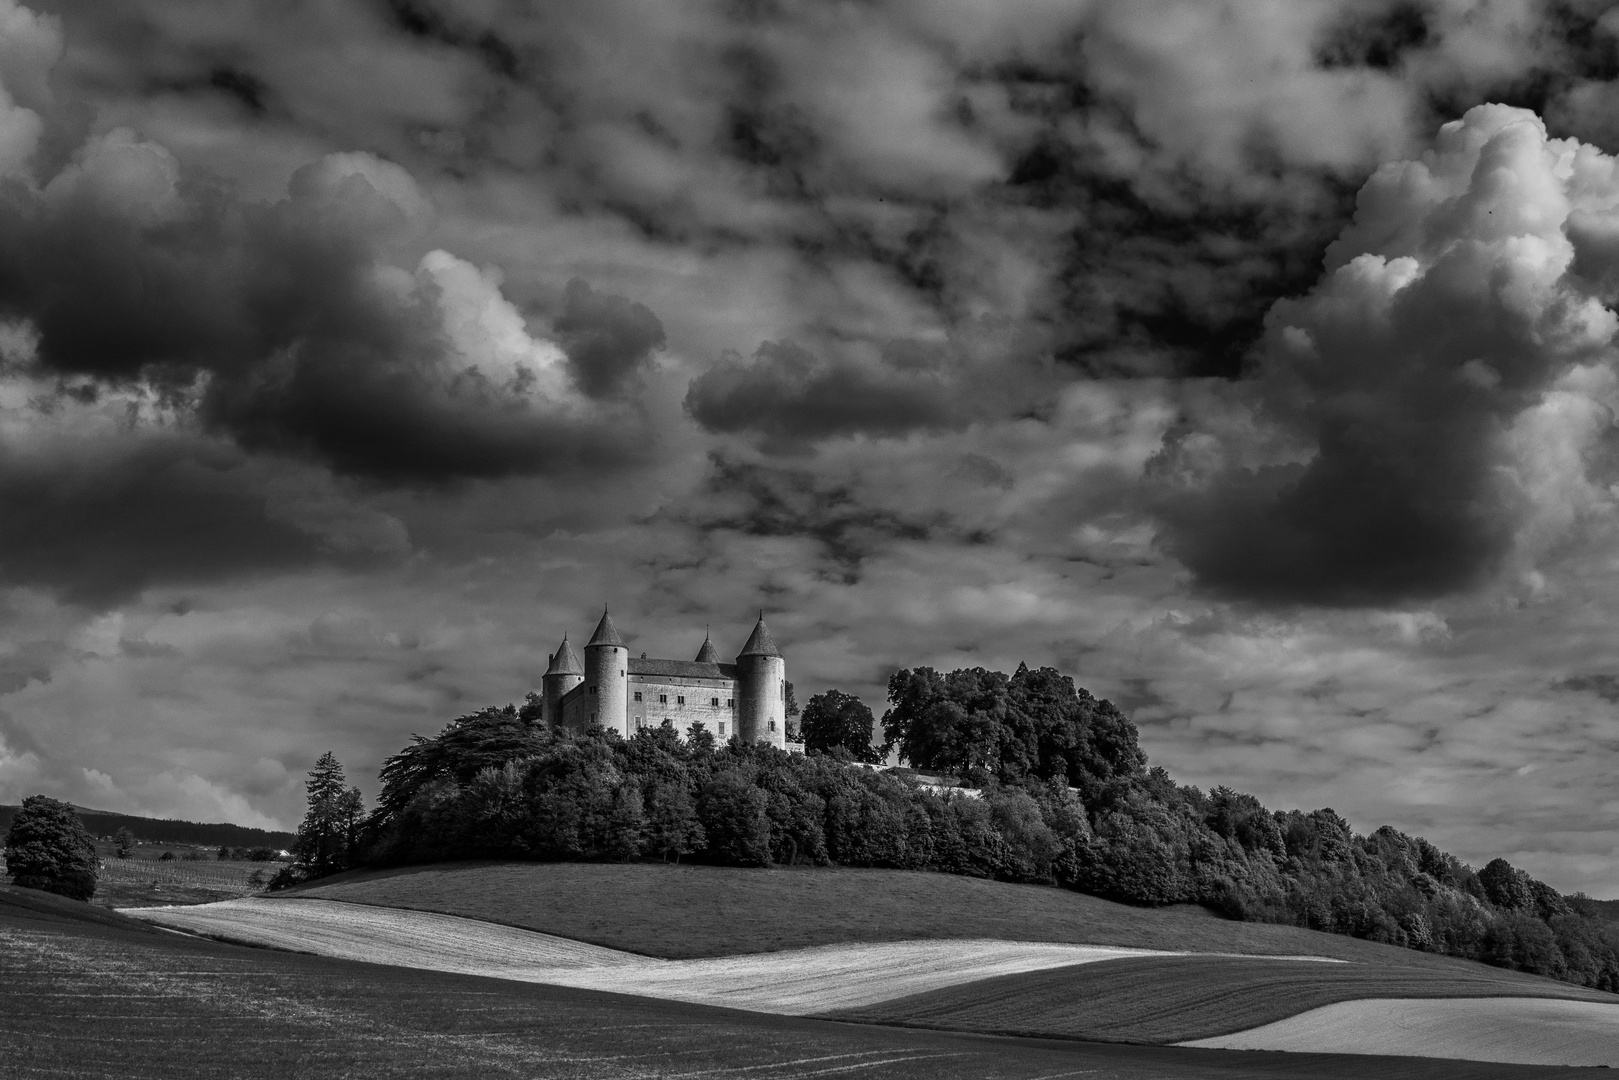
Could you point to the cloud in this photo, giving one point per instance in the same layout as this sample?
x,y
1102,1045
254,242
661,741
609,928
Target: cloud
x,y
1413,378
606,338
97,522
790,395
290,327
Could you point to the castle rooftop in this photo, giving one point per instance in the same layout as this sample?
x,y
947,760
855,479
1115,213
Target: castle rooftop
x,y
760,643
566,661
606,633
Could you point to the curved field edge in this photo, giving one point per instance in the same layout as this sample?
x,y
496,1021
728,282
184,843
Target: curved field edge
x,y
683,911
792,982
1515,1030
1176,999
92,995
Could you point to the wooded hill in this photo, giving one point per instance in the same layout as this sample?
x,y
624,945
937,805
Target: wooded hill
x,y
1065,797
103,823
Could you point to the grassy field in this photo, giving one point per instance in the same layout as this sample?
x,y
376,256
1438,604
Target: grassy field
x,y
89,994
1174,999
793,982
681,912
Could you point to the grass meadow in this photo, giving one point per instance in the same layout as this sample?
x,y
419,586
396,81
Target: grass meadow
x,y
90,994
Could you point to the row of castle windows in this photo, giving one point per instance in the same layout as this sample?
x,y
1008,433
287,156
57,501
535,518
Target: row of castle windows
x,y
640,722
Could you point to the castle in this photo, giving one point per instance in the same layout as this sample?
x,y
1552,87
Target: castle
x,y
747,699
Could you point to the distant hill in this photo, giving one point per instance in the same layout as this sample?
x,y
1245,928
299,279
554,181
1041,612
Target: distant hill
x,y
168,830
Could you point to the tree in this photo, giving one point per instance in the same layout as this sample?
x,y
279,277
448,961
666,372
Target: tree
x,y
124,843
835,719
954,723
48,848
329,835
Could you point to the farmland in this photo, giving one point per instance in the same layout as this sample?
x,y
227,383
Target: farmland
x,y
141,882
686,912
87,993
1495,1029
792,982
1174,999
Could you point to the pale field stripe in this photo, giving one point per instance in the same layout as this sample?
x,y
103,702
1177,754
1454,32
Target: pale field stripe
x,y
1510,1030
388,936
791,982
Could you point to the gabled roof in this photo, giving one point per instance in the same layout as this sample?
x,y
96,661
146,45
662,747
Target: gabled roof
x,y
566,661
685,669
708,654
760,643
606,633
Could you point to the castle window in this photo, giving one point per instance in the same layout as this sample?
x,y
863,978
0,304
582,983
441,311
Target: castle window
x,y
730,703
638,695
772,725
592,689
714,701
663,699
681,700
722,729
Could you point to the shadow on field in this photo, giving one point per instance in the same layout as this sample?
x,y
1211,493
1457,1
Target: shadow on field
x,y
89,993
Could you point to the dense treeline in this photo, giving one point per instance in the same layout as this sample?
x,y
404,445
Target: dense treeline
x,y
170,831
1064,796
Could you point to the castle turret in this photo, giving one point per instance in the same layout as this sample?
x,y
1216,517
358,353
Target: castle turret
x,y
708,654
761,690
607,665
564,673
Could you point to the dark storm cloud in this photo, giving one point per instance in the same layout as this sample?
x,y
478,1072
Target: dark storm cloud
x,y
99,528
791,396
284,323
1603,686
606,338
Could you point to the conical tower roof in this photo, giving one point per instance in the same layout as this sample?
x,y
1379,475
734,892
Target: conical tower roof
x,y
708,654
606,633
566,661
760,643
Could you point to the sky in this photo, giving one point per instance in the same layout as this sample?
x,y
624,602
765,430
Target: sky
x,y
1251,362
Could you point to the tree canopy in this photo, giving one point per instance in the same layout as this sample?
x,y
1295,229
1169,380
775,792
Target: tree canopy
x,y
979,724
48,848
835,720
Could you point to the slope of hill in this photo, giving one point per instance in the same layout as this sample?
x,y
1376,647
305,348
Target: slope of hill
x,y
169,830
172,1007
681,912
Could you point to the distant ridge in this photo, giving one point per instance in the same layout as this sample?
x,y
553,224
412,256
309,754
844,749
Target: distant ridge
x,y
168,830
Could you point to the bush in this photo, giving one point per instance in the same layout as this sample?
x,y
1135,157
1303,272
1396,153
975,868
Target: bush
x,y
47,848
288,876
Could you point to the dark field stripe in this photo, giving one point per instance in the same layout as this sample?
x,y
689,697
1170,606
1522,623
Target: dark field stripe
x,y
1172,999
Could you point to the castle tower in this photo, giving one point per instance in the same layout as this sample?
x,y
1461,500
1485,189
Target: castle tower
x,y
761,690
607,665
564,673
708,654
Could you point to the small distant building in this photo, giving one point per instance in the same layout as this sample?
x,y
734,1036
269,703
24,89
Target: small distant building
x,y
746,699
